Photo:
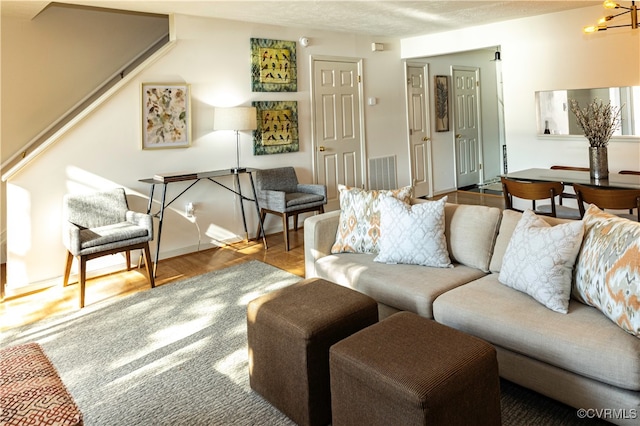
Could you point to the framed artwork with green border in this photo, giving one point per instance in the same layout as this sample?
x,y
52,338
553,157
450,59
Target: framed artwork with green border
x,y
277,131
273,65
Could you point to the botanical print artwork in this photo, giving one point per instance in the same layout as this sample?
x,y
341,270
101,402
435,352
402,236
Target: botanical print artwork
x,y
277,130
273,65
166,116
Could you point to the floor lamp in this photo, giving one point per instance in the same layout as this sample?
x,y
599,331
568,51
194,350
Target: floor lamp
x,y
236,119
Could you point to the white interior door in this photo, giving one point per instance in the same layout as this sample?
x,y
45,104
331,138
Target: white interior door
x,y
419,130
468,149
337,105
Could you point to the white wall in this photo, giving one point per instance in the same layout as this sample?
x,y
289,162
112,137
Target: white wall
x,y
546,53
213,56
53,61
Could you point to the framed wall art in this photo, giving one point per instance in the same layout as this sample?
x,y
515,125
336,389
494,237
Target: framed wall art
x,y
166,115
273,65
442,103
277,131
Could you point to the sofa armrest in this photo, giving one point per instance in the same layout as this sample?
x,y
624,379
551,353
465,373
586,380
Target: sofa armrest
x,y
319,236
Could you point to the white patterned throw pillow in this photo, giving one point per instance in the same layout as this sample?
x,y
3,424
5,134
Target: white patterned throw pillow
x,y
359,226
608,268
539,260
413,234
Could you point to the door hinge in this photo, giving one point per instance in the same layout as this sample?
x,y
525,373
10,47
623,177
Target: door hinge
x,y
359,79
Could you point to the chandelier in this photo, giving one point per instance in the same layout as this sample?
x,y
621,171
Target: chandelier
x,y
602,23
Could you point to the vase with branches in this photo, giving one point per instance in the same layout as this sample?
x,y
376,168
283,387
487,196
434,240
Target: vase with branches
x,y
598,121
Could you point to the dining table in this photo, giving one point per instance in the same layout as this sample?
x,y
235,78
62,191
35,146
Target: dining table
x,y
568,177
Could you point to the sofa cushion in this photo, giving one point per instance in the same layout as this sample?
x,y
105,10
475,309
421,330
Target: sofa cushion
x,y
359,227
510,219
413,234
471,234
539,260
583,341
608,268
404,287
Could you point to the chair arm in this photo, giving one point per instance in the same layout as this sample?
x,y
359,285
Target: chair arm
x,y
319,236
71,237
310,188
272,200
141,219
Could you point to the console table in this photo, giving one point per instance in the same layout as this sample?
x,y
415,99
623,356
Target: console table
x,y
211,176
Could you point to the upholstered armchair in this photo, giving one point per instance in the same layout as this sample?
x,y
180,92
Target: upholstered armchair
x,y
279,193
99,224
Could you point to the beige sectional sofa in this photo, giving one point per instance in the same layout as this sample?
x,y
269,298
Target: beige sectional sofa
x,y
581,358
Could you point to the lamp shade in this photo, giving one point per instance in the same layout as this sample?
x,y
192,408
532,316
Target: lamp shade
x,y
235,118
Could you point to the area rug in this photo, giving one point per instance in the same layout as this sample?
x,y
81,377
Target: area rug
x,y
177,355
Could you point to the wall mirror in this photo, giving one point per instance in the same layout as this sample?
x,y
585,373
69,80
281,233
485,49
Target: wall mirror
x,y
556,118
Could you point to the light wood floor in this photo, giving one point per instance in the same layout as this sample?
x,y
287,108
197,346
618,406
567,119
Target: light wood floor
x,y
58,299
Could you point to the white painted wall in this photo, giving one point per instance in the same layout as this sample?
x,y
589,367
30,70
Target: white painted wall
x,y
53,61
546,53
539,53
213,56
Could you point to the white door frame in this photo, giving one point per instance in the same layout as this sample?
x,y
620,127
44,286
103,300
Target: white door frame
x,y
314,142
427,119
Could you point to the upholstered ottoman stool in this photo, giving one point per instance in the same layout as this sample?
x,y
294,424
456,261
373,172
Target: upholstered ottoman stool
x,y
289,333
409,370
31,392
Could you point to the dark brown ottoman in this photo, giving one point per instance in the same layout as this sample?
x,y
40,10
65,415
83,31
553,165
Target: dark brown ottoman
x,y
289,333
31,392
409,370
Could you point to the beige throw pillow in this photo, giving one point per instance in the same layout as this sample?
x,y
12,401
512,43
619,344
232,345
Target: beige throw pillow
x,y
539,260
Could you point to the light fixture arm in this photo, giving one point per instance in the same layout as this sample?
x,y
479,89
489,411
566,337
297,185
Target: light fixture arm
x,y
602,26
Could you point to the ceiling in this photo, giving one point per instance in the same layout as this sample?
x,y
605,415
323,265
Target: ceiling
x,y
393,18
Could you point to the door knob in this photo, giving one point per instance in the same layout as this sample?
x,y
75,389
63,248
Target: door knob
x,y
425,139
458,135
321,149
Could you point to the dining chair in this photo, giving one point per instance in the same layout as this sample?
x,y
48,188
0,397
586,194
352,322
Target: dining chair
x,y
564,193
609,198
536,191
279,193
100,223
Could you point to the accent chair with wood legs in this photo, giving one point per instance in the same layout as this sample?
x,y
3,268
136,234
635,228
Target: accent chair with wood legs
x,y
100,223
279,193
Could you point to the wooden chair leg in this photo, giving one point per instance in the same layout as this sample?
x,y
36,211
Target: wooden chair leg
x,y
83,278
148,265
285,230
67,269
